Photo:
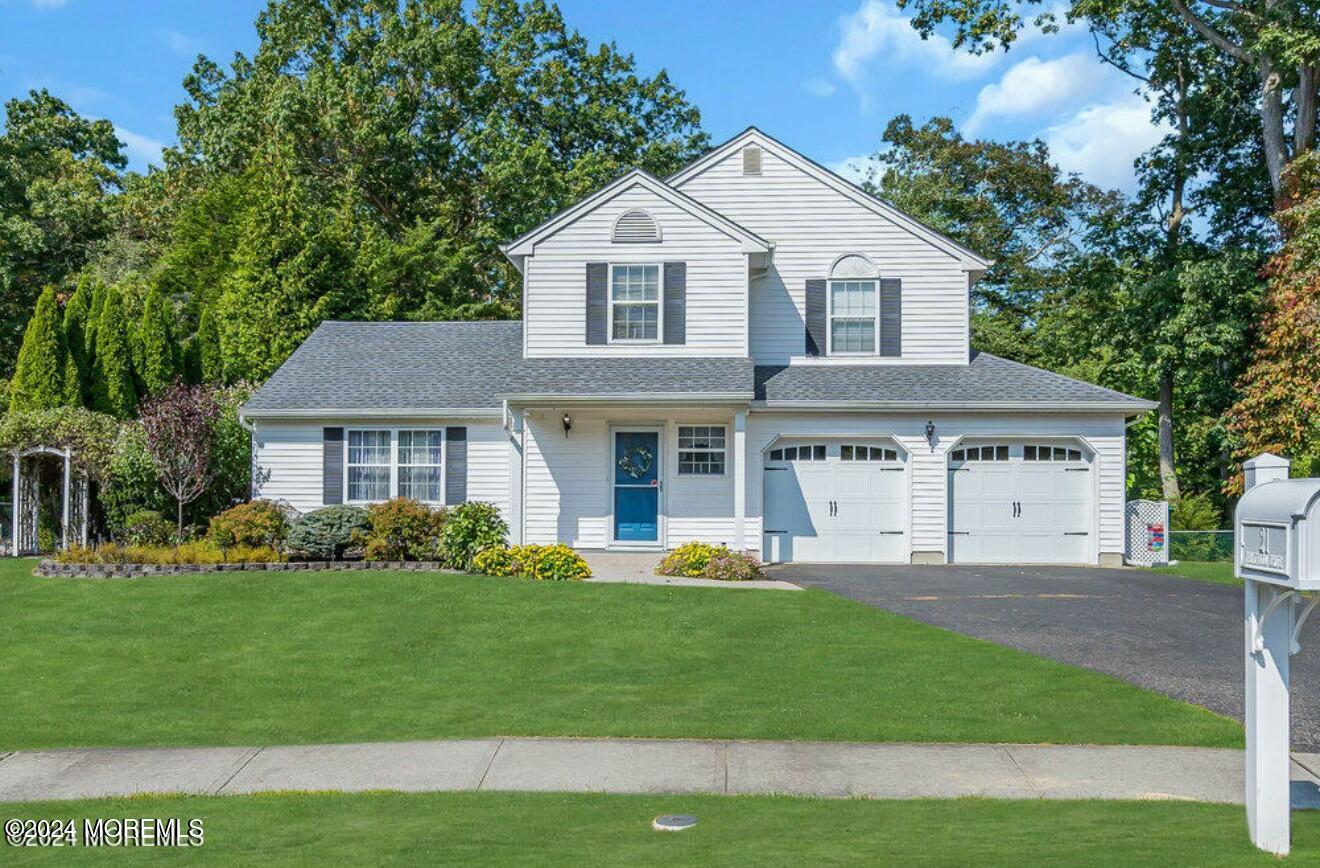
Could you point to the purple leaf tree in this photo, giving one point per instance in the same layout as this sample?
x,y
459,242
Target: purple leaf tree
x,y
179,423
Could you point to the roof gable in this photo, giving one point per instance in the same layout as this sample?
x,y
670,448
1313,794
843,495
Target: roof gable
x,y
525,245
969,259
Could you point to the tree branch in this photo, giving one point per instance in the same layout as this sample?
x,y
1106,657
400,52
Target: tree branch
x,y
1121,67
1216,38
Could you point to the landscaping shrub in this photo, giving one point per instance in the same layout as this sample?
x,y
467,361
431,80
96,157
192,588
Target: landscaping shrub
x,y
196,552
556,563
1194,512
403,530
325,533
255,523
146,527
688,560
470,528
697,560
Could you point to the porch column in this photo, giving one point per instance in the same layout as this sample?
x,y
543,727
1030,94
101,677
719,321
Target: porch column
x,y
64,520
13,507
740,480
516,425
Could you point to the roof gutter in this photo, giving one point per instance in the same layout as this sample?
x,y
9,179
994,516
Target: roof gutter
x,y
371,413
965,406
629,398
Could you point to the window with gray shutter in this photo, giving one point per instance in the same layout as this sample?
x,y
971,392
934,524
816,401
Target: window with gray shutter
x,y
891,317
456,465
816,317
598,302
332,465
675,302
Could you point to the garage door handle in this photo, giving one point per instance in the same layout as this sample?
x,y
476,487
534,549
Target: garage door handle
x,y
960,533
891,533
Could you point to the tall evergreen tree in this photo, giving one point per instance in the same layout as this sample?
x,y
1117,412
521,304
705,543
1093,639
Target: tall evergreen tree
x,y
41,379
158,362
204,351
113,389
77,315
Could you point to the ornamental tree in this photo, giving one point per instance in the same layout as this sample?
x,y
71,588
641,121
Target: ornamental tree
x,y
41,379
179,426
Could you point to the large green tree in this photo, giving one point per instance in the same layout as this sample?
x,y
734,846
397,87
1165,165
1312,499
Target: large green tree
x,y
43,378
58,174
113,389
158,358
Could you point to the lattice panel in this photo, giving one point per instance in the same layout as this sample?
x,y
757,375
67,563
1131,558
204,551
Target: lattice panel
x,y
1147,533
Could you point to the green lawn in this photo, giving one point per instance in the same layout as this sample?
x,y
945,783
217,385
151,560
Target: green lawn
x,y
573,830
232,659
1218,572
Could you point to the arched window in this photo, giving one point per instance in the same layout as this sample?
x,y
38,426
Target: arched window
x,y
853,266
854,306
636,227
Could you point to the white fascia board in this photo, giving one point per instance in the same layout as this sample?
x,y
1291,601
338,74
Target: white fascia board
x,y
971,261
1125,407
373,413
525,245
632,398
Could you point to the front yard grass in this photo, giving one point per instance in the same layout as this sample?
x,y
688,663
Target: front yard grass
x,y
283,658
594,829
1216,572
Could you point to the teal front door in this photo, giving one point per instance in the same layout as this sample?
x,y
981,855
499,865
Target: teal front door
x,y
636,477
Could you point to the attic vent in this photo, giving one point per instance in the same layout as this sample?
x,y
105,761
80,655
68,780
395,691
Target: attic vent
x,y
636,227
751,160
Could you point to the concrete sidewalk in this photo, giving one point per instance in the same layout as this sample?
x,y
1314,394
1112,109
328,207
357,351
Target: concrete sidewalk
x,y
638,568
832,770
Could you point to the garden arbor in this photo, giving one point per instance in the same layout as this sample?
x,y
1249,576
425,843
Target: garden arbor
x,y
74,486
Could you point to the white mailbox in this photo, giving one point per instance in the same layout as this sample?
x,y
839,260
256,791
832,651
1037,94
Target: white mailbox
x,y
1278,534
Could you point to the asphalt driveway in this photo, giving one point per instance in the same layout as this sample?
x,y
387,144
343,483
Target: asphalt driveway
x,y
1178,636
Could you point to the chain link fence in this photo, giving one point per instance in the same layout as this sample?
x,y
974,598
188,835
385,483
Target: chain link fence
x,y
1201,545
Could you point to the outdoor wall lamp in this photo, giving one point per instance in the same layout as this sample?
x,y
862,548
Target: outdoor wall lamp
x,y
568,424
930,433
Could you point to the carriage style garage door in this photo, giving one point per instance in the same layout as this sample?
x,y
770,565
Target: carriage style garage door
x,y
1021,503
835,502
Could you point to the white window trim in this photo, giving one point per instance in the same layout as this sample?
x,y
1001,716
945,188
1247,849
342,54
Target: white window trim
x,y
394,462
829,316
679,450
659,303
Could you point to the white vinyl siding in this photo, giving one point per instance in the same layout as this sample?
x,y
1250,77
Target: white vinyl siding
x,y
811,225
287,455
554,310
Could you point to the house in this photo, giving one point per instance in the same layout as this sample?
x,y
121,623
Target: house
x,y
752,352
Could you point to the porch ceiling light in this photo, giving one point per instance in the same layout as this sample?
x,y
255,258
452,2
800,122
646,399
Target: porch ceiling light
x,y
568,424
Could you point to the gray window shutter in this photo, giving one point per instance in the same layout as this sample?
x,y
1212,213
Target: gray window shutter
x,y
816,316
891,317
598,305
455,465
675,302
332,464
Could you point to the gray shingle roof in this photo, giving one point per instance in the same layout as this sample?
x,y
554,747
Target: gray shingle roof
x,y
397,367
987,382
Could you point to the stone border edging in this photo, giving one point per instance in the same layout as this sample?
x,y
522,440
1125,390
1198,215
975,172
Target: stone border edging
x,y
52,569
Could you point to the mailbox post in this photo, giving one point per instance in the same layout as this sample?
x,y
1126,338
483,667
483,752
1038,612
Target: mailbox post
x,y
1277,557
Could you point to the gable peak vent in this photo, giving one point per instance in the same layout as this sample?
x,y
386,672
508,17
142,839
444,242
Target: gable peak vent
x,y
751,156
636,227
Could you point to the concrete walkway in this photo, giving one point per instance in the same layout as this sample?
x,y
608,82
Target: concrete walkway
x,y
638,568
832,770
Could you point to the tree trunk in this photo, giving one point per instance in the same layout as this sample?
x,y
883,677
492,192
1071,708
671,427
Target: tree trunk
x,y
178,532
1304,98
1168,473
1271,123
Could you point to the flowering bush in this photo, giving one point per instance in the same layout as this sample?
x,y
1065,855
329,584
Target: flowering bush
x,y
556,563
325,533
403,530
255,523
696,560
146,527
688,560
470,528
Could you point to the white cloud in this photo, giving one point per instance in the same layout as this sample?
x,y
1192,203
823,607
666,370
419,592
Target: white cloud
x,y
1101,141
1034,85
179,43
141,150
817,86
877,30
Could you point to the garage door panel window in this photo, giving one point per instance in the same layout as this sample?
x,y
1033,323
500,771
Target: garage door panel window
x,y
701,450
368,465
998,452
854,452
810,452
1036,452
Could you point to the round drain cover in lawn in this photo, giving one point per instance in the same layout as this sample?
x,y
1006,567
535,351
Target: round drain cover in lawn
x,y
673,822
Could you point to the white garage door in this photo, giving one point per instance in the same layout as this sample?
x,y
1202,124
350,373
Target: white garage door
x,y
1020,504
835,502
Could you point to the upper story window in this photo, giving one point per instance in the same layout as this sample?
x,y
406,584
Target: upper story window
x,y
635,303
854,306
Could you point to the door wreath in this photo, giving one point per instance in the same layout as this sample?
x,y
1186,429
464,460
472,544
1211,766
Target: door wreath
x,y
636,461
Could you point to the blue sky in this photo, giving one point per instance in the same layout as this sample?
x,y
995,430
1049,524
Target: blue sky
x,y
823,76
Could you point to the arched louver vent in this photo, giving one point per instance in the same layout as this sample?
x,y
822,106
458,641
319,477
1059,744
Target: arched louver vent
x,y
751,160
636,227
